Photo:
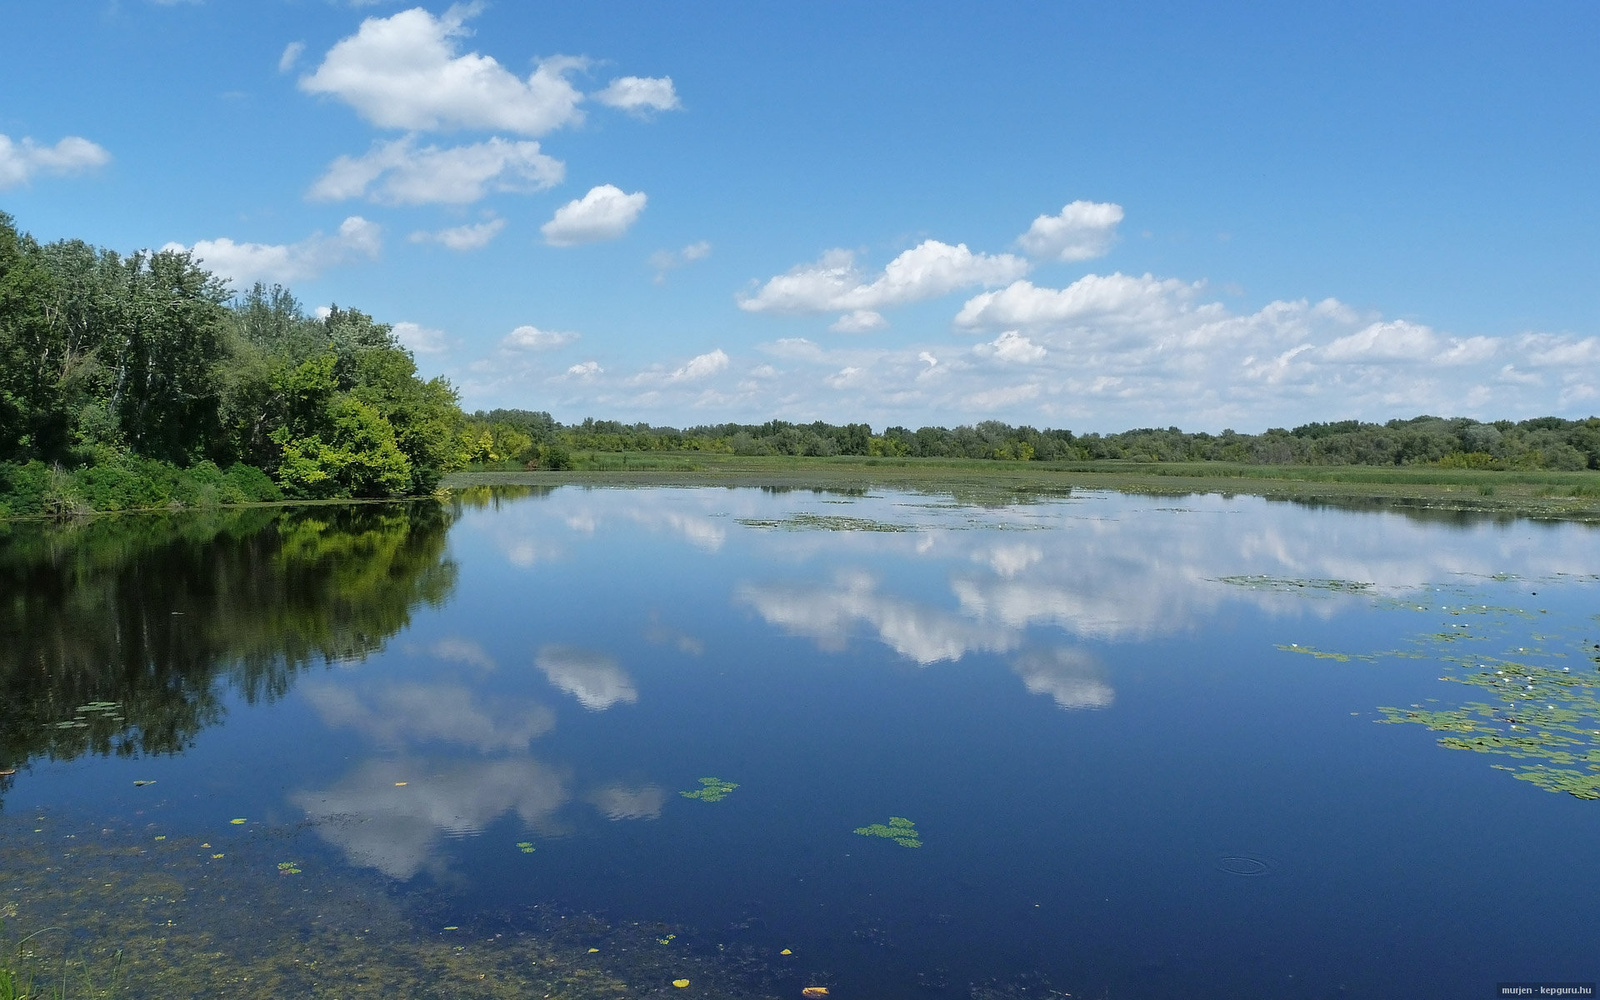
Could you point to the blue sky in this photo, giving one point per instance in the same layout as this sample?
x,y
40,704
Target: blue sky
x,y
1093,216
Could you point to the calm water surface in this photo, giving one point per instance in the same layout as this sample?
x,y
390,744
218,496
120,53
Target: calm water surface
x,y
1127,776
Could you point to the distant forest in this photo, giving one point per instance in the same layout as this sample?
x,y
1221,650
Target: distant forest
x,y
143,381
1543,443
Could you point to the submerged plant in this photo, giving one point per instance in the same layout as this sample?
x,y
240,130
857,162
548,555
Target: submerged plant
x,y
27,975
899,829
711,790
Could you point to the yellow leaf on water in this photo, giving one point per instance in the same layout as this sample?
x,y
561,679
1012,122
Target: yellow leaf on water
x,y
593,951
814,991
215,856
786,951
236,822
399,784
680,983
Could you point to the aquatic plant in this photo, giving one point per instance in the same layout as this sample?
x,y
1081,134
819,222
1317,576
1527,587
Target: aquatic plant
x,y
899,829
251,934
1538,714
27,974
711,790
803,521
1538,710
1289,585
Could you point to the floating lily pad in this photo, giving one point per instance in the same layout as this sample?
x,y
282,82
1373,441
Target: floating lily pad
x,y
711,790
899,829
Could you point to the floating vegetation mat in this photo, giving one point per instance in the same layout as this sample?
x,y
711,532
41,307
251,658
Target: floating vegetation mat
x,y
711,790
1290,585
899,829
1535,679
174,918
824,522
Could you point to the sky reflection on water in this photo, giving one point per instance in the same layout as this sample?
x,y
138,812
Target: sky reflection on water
x,y
1084,718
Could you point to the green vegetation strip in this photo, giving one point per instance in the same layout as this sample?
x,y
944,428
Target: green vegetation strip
x,y
1423,493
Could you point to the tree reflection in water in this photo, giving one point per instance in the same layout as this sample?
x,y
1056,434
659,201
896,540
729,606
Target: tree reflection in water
x,y
148,622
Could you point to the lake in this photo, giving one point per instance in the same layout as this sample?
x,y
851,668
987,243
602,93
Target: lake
x,y
592,741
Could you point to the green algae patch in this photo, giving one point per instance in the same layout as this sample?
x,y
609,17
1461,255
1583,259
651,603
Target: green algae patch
x,y
899,829
711,790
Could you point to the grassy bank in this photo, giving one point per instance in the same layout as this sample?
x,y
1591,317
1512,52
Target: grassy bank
x,y
1562,495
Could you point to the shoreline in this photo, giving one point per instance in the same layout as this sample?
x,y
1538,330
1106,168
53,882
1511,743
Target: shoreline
x,y
1565,496
1534,495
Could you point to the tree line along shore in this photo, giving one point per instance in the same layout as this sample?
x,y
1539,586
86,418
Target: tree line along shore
x,y
143,381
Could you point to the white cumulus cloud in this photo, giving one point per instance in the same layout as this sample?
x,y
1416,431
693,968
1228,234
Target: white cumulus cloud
x,y
421,339
700,366
1013,347
247,263
21,161
1119,297
834,284
291,55
640,95
605,213
472,236
531,338
406,71
398,172
1082,230
663,261
859,321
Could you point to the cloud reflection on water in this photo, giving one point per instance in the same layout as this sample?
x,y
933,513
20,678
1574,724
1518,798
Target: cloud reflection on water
x,y
827,615
398,714
593,678
619,802
1072,677
390,814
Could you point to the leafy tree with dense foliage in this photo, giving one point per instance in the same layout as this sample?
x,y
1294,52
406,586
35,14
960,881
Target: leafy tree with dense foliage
x,y
141,381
